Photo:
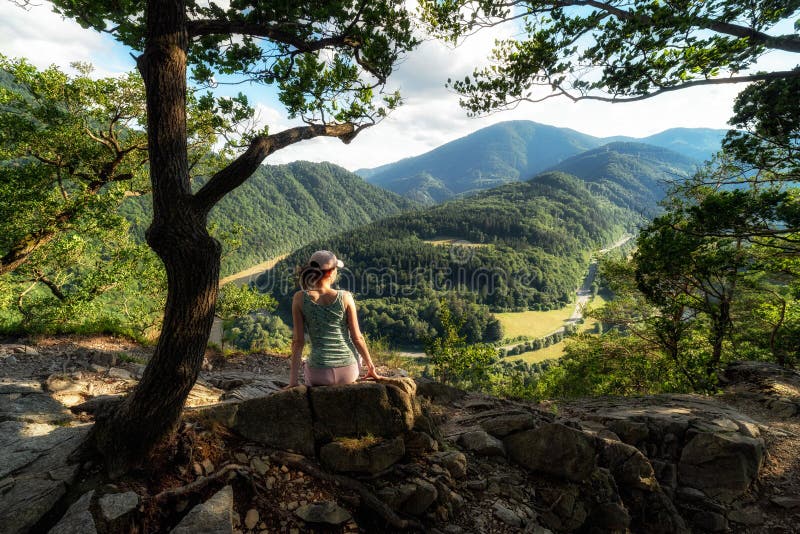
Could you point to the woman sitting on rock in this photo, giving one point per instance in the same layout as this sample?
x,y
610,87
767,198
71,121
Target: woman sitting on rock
x,y
329,317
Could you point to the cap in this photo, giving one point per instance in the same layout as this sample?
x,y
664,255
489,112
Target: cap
x,y
326,260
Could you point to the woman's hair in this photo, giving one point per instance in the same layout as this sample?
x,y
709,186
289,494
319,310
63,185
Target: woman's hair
x,y
309,275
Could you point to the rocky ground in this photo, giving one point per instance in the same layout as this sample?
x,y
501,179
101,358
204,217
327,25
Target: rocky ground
x,y
396,455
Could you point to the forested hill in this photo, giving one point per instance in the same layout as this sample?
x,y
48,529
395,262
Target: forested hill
x,y
529,246
633,175
283,207
512,151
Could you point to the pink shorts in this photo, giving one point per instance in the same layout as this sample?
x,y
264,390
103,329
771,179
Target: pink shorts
x,y
326,376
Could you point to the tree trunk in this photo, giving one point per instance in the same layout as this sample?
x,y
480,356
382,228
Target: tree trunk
x,y
178,235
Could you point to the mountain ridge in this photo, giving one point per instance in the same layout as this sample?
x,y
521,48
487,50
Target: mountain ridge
x,y
514,151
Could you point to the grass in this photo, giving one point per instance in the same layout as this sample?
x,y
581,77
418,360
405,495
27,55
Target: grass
x,y
358,444
555,351
552,352
533,324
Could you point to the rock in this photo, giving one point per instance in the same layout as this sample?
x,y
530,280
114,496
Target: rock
x,y
482,443
424,494
361,456
327,512
790,503
418,443
78,518
439,392
106,359
630,467
455,462
722,465
507,516
222,413
119,373
116,505
28,403
710,521
610,517
215,516
259,466
281,420
631,432
751,516
35,459
355,410
553,449
504,425
208,466
251,519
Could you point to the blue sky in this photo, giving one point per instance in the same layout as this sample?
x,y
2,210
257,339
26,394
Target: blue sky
x,y
430,115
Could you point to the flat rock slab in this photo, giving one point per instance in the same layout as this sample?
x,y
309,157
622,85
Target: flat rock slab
x,y
28,402
116,505
34,469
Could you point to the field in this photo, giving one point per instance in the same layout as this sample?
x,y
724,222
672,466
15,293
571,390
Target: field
x,y
243,277
533,324
557,350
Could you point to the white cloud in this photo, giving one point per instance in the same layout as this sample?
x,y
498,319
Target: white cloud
x,y
45,38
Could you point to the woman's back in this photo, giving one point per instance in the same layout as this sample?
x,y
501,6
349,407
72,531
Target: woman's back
x,y
327,328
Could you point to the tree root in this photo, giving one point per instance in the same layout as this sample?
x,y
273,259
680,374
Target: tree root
x,y
200,483
100,407
302,463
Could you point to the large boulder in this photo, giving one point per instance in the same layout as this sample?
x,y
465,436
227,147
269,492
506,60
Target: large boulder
x,y
554,449
482,443
723,465
504,425
282,420
630,468
365,408
361,455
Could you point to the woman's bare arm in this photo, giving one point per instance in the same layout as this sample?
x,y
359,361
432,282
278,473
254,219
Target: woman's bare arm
x,y
355,334
298,338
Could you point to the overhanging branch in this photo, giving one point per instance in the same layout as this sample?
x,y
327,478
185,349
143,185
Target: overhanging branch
x,y
693,83
240,169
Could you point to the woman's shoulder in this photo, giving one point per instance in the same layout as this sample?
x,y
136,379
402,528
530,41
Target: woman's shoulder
x,y
298,296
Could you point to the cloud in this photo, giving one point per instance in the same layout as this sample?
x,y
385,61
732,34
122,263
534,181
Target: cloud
x,y
45,38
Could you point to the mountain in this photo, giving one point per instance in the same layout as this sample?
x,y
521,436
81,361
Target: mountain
x,y
502,153
283,207
513,151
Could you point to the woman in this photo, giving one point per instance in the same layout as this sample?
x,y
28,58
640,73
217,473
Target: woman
x,y
329,316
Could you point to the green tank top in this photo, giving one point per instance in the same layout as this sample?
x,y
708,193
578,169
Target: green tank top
x,y
326,325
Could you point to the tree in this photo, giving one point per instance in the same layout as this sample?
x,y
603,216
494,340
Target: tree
x,y
328,61
239,300
455,361
614,51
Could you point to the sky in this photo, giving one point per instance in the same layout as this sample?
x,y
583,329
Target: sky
x,y
430,115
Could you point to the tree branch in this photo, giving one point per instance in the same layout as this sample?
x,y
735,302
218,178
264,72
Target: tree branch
x,y
240,169
200,28
709,81
789,43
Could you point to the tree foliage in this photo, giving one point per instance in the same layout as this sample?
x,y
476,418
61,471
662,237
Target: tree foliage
x,y
612,50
